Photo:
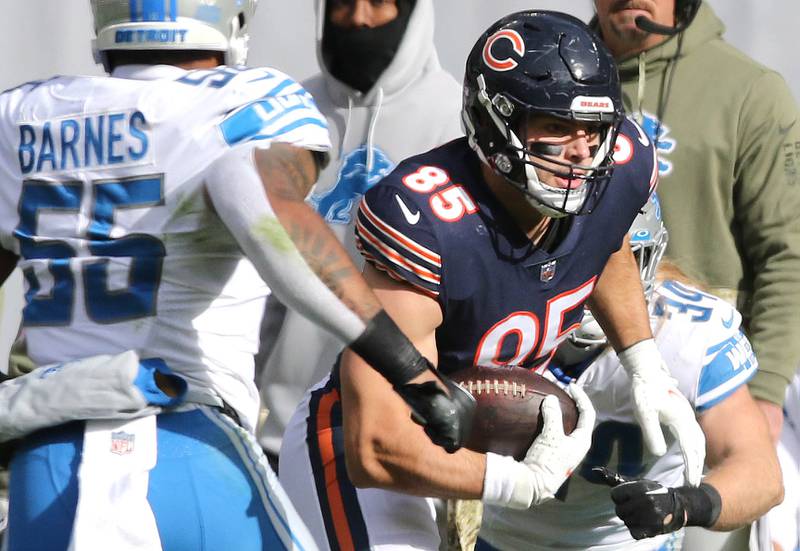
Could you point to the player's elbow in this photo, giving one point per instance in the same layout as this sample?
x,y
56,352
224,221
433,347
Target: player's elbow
x,y
363,460
771,478
775,489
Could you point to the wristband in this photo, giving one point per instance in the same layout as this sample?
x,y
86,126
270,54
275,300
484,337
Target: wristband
x,y
702,504
501,482
384,346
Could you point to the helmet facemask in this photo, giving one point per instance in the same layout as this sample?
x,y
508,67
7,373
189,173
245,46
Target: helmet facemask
x,y
503,145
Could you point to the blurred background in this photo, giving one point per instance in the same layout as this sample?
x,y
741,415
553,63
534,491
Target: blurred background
x,y
46,37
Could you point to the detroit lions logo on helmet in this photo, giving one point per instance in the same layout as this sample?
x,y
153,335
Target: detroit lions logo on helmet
x,y
517,44
658,132
335,205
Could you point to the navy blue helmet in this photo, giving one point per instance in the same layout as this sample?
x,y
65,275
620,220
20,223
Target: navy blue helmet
x,y
535,63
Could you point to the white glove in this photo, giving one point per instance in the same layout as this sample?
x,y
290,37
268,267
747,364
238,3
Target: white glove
x,y
549,462
656,398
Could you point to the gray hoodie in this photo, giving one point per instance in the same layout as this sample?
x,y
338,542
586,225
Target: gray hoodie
x,y
413,107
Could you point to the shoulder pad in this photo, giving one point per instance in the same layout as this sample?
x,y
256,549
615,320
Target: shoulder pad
x,y
727,360
635,155
262,105
393,233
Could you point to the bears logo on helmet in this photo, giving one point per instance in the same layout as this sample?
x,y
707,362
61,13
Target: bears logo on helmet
x,y
517,44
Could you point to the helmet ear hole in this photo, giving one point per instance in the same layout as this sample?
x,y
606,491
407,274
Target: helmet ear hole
x,y
242,21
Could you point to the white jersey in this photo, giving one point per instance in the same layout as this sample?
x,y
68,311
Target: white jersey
x,y
102,197
699,338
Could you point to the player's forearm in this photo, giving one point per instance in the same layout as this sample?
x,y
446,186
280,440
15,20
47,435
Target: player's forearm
x,y
739,445
288,176
413,465
385,449
745,498
266,243
617,301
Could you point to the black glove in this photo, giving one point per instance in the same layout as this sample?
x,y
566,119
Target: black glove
x,y
447,419
649,509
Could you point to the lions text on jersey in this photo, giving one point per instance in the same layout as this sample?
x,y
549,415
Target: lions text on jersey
x,y
433,224
700,338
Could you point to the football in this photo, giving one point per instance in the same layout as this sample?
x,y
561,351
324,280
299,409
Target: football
x,y
508,416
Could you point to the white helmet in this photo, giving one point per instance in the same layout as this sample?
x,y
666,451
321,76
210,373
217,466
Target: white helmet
x,y
215,25
648,238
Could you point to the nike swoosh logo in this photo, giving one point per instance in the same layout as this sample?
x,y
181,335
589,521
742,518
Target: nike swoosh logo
x,y
657,491
411,217
729,322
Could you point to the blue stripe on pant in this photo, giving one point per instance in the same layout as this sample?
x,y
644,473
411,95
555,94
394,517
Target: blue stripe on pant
x,y
203,494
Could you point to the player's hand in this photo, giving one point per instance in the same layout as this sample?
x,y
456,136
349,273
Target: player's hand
x,y
549,462
646,507
554,455
649,509
444,409
657,401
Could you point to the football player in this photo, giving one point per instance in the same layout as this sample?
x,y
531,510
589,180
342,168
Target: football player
x,y
144,210
485,251
701,339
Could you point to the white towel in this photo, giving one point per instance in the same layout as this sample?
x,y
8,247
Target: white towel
x,y
113,511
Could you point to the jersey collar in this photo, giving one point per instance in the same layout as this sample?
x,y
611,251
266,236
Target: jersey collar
x,y
148,72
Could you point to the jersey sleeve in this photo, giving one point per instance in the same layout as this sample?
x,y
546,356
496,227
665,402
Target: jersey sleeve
x,y
394,235
727,359
272,107
728,365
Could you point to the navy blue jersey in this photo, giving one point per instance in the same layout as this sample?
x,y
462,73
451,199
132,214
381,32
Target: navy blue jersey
x,y
434,224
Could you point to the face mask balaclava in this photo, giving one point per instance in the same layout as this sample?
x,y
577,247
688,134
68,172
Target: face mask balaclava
x,y
358,56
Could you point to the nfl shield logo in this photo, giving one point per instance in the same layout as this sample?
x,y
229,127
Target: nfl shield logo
x,y
122,442
548,271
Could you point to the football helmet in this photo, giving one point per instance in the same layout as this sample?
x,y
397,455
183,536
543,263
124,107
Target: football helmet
x,y
535,63
648,239
216,25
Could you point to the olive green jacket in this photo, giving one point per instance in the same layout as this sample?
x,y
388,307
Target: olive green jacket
x,y
729,149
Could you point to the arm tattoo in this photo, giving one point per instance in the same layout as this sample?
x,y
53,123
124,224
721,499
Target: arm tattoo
x,y
288,173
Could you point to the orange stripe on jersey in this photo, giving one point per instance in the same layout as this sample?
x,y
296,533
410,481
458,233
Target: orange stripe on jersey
x,y
396,257
334,496
399,238
394,275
